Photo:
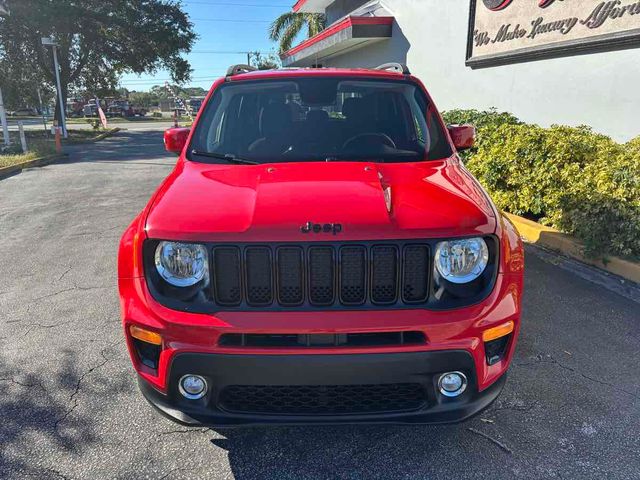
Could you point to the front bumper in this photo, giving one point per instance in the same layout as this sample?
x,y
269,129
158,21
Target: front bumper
x,y
416,368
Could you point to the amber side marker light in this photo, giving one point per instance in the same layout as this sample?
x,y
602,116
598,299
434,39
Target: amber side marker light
x,y
497,332
145,335
496,340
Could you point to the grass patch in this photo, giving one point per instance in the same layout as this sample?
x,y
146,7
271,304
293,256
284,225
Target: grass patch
x,y
120,120
38,146
15,159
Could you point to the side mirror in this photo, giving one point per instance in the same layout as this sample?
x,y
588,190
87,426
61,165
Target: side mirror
x,y
463,136
175,139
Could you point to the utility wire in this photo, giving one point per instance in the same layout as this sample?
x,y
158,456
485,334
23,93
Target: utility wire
x,y
233,4
229,20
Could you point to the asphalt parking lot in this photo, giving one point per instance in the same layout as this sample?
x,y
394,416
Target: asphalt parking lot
x,y
69,405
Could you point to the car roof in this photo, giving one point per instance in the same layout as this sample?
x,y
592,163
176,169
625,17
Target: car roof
x,y
317,72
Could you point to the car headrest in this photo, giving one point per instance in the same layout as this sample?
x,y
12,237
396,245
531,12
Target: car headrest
x,y
350,106
317,117
358,110
275,119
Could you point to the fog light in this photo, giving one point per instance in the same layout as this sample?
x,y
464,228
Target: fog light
x,y
192,387
452,384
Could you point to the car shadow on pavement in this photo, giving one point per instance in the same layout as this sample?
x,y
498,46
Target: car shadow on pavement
x,y
126,146
359,451
39,414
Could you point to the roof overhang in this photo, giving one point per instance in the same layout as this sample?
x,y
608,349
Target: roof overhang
x,y
312,6
348,34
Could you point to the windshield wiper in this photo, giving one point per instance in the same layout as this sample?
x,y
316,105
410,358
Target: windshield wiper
x,y
225,156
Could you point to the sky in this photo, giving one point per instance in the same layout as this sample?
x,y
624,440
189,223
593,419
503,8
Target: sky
x,y
225,28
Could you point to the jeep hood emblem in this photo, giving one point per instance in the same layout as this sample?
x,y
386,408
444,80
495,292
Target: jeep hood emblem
x,y
311,227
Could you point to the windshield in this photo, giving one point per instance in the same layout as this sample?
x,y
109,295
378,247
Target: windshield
x,y
318,119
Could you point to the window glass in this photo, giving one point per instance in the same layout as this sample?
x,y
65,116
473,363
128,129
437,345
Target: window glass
x,y
319,119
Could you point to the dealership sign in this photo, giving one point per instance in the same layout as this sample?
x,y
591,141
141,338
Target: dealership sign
x,y
512,31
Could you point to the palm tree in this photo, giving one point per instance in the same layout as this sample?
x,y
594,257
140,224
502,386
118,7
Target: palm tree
x,y
287,26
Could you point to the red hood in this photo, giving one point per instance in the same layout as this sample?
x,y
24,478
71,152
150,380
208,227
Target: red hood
x,y
202,202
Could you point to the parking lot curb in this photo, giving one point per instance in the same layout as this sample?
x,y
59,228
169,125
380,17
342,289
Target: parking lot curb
x,y
553,239
36,162
106,134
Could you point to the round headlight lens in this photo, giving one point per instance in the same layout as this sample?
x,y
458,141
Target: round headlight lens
x,y
462,261
181,264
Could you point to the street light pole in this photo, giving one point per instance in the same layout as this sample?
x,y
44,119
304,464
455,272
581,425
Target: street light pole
x,y
4,11
62,105
3,120
49,42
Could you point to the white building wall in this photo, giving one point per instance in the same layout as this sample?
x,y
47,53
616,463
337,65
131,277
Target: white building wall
x,y
601,90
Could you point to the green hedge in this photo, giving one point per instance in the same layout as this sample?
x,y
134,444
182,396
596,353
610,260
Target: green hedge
x,y
573,179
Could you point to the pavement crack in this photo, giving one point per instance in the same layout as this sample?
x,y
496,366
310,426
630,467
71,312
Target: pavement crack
x,y
22,384
170,473
492,440
31,326
58,473
64,273
49,295
521,408
72,397
553,361
97,287
189,430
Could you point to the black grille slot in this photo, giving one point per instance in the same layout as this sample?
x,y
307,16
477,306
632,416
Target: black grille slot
x,y
353,276
227,280
259,276
290,281
373,339
415,287
384,278
323,399
321,275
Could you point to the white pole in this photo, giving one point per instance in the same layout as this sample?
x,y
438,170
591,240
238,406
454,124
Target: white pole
x,y
23,139
44,118
63,120
3,120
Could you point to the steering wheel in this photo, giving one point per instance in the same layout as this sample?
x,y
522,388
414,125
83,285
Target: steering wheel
x,y
365,138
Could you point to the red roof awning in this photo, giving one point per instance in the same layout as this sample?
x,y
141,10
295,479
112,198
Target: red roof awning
x,y
347,34
312,6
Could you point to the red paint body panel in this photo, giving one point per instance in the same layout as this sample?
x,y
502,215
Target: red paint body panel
x,y
269,203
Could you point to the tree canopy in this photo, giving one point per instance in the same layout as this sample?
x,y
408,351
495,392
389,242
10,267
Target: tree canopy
x,y
263,61
288,26
98,41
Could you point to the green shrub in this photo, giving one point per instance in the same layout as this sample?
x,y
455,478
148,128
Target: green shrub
x,y
479,118
573,179
95,123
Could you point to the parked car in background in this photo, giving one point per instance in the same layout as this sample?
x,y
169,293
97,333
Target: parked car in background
x,y
194,104
24,112
331,263
90,110
122,108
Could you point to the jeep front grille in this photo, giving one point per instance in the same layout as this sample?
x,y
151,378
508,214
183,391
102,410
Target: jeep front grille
x,y
320,275
323,399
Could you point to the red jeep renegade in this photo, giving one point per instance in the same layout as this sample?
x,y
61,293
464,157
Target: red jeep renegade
x,y
320,254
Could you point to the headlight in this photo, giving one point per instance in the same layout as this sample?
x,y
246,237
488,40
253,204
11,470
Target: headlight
x,y
461,261
181,264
